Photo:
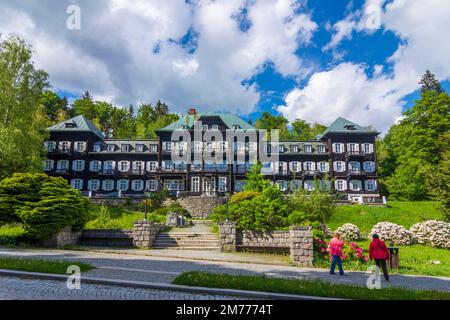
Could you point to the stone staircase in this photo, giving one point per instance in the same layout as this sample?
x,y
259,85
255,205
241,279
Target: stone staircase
x,y
198,237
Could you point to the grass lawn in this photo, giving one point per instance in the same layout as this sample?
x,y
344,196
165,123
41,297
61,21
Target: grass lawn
x,y
118,218
303,287
44,266
405,213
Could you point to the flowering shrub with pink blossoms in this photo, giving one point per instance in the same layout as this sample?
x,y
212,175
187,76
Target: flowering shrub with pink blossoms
x,y
353,255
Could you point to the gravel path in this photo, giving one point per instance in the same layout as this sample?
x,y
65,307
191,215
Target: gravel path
x,y
12,288
157,269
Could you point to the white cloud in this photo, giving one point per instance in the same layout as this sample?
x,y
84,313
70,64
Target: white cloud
x,y
346,90
113,53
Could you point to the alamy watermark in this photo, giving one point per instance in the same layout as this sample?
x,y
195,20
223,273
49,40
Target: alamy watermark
x,y
74,280
73,22
374,280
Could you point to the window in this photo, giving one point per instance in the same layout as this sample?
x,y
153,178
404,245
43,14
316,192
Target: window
x,y
153,148
369,166
354,166
50,146
97,147
78,165
294,149
137,185
295,166
338,147
174,185
296,185
109,167
282,184
368,148
108,185
215,127
77,184
168,146
355,185
152,166
111,148
339,166
62,165
124,166
195,187
321,149
48,165
324,184
353,147
307,148
371,185
122,185
323,166
309,185
222,184
236,127
168,165
280,148
95,166
64,146
80,146
152,185
126,148
205,127
139,148
309,166
93,185
340,185
223,146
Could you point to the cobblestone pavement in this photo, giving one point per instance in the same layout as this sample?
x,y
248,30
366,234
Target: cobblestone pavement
x,y
164,269
12,288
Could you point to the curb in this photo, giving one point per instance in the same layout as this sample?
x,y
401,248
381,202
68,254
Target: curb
x,y
163,286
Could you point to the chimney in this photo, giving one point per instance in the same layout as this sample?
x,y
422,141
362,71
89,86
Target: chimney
x,y
192,111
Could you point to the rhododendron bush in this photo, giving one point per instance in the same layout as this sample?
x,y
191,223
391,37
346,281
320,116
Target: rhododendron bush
x,y
391,232
432,233
352,253
349,232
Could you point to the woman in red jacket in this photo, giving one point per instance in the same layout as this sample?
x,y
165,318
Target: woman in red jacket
x,y
380,253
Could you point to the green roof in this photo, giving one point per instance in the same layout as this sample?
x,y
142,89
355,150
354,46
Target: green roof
x,y
341,125
189,120
77,124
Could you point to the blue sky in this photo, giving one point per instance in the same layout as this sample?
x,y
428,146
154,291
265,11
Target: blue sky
x,y
315,60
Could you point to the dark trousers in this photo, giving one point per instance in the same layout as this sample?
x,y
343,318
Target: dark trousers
x,y
336,260
381,263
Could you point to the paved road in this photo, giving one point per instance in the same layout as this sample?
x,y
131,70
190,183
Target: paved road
x,y
157,269
13,288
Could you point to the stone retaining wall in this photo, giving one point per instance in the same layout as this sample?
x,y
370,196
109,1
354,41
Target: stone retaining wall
x,y
63,238
144,233
298,241
200,206
107,238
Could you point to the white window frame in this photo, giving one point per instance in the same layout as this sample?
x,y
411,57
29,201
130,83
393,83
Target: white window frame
x,y
59,165
49,165
97,164
76,184
307,148
282,185
79,146
137,185
308,185
97,147
310,164
140,147
369,166
367,148
353,147
367,184
122,164
323,166
64,146
78,165
321,149
153,148
123,185
152,185
337,185
335,166
354,166
106,183
338,148
222,184
355,185
215,127
50,146
91,188
195,184
152,166
111,147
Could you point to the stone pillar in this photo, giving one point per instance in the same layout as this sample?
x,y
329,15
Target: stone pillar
x,y
302,246
227,238
144,233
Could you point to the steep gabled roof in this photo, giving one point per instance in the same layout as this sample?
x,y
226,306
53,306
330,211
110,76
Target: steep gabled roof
x,y
77,124
341,125
189,120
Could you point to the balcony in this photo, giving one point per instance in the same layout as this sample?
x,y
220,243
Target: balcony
x,y
138,172
107,172
356,173
349,154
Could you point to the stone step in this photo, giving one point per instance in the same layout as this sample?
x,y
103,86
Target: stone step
x,y
215,248
184,237
181,243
